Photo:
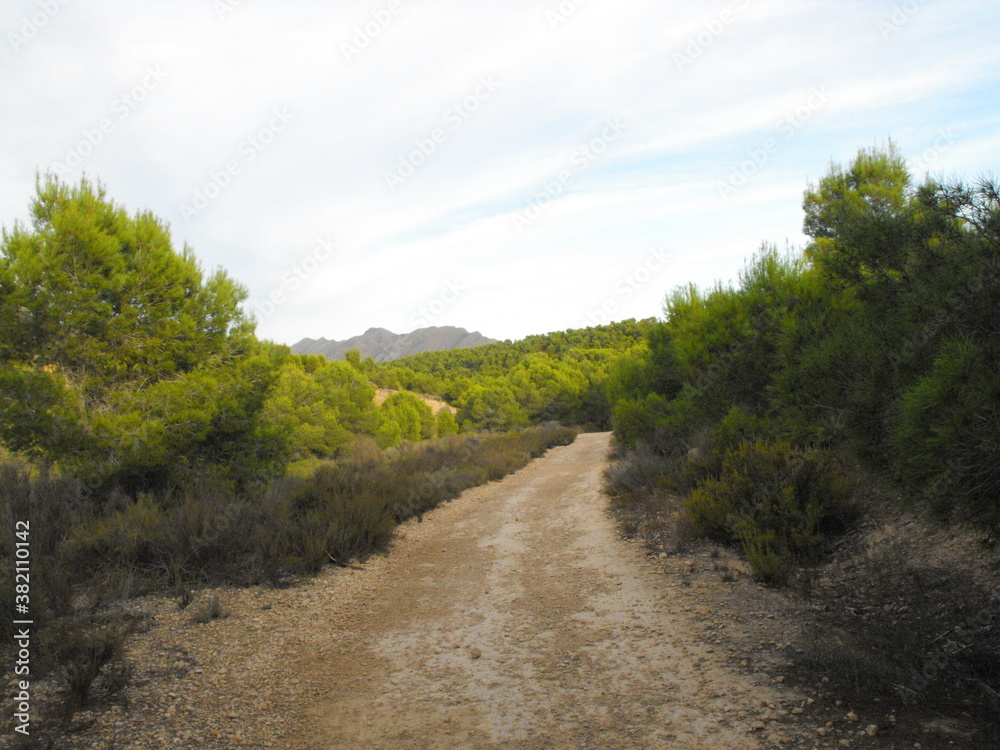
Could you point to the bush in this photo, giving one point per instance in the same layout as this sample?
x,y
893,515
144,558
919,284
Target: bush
x,y
52,505
636,419
87,653
446,423
208,611
635,473
947,434
640,483
345,509
779,503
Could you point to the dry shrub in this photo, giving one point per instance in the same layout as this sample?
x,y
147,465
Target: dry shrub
x,y
88,655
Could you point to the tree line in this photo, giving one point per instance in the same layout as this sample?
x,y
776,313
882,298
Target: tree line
x,y
879,343
125,364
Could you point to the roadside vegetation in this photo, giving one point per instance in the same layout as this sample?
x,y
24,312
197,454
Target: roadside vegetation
x,y
854,381
152,443
836,410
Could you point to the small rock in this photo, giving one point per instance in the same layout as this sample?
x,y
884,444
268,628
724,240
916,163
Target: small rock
x,y
872,730
475,653
852,717
797,711
757,726
823,731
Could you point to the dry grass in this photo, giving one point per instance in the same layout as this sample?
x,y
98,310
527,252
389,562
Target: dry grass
x,y
643,504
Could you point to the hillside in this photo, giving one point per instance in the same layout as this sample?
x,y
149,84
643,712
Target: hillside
x,y
383,345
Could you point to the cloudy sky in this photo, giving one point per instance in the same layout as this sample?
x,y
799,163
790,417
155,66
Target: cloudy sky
x,y
512,167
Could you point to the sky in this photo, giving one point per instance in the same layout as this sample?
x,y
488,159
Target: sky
x,y
511,167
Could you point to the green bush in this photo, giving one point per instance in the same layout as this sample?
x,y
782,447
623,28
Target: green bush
x,y
947,434
405,417
636,419
446,423
779,503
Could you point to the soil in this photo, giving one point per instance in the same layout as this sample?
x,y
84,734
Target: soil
x,y
437,405
515,616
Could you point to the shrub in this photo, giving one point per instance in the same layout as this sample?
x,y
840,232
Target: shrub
x,y
345,509
635,419
52,504
635,473
947,434
446,423
86,650
208,611
779,503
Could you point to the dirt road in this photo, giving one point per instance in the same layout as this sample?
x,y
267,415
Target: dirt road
x,y
515,617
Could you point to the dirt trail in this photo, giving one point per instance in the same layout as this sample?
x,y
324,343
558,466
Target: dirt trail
x,y
515,617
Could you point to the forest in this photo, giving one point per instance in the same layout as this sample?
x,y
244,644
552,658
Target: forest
x,y
834,420
127,366
154,443
878,344
151,442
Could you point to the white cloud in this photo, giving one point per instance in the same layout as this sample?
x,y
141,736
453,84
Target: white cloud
x,y
352,121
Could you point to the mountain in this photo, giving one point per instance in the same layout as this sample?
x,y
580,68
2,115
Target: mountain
x,y
383,345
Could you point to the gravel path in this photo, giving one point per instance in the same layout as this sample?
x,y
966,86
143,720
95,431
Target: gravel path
x,y
513,617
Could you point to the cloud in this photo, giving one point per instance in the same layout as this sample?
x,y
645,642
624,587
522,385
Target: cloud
x,y
366,85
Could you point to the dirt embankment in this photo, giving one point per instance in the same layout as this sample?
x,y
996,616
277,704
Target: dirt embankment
x,y
437,405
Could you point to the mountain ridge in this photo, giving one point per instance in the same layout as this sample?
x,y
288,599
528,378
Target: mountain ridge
x,y
383,345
